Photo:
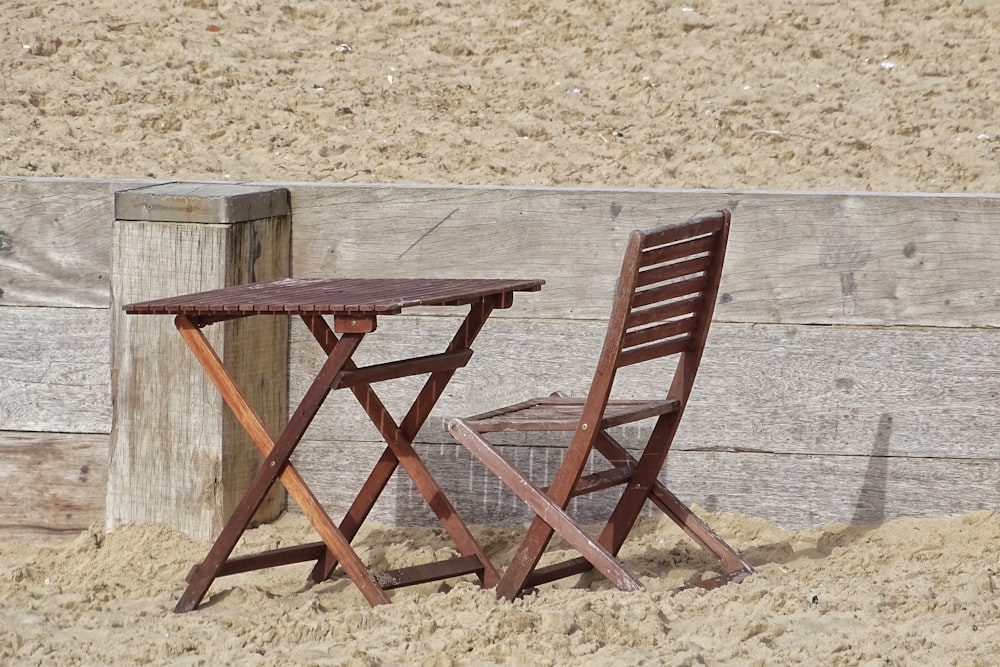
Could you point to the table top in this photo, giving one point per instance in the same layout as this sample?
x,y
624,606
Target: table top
x,y
386,296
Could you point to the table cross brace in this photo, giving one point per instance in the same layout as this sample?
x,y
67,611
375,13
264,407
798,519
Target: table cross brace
x,y
335,547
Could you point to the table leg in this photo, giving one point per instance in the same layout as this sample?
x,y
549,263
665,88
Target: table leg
x,y
275,465
400,446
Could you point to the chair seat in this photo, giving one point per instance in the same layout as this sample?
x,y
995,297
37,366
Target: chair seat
x,y
562,413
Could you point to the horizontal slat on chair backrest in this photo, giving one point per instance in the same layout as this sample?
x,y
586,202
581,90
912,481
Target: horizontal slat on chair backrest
x,y
673,290
669,253
654,351
655,333
663,311
675,233
664,272
673,266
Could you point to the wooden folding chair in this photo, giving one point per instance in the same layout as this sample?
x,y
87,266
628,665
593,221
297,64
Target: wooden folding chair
x,y
663,307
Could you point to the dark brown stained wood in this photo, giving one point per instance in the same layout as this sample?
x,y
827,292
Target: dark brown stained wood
x,y
419,574
692,285
590,416
563,414
446,361
655,313
668,253
664,272
665,348
304,298
331,296
657,332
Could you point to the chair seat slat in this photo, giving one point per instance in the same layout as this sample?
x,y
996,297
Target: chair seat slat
x,y
564,413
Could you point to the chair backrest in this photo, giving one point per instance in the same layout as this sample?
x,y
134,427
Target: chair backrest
x,y
663,304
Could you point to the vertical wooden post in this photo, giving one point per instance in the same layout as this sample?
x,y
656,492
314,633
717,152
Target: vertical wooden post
x,y
178,456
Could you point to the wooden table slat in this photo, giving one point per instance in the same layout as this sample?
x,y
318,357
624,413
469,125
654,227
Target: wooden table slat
x,y
337,295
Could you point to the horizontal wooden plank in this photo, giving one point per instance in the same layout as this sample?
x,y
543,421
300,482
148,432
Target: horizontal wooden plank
x,y
832,258
55,241
55,369
794,257
51,485
788,389
768,388
790,490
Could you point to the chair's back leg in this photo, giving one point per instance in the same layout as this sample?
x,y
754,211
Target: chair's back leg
x,y
733,565
641,485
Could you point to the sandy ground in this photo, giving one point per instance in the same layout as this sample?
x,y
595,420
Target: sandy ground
x,y
909,592
812,95
819,95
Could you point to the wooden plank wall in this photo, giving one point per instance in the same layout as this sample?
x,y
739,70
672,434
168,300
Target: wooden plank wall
x,y
847,376
844,378
55,376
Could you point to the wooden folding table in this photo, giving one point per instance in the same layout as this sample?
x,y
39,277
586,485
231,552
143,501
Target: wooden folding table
x,y
354,306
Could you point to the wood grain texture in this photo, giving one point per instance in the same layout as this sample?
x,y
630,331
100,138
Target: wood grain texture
x,y
828,258
847,258
55,372
51,485
55,241
876,386
178,456
793,491
783,389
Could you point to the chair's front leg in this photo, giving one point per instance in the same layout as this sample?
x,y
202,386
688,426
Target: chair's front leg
x,y
548,512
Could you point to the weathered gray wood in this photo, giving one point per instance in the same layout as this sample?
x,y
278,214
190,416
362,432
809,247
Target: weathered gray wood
x,y
178,456
781,390
791,490
857,258
214,203
775,388
790,389
848,258
55,370
51,485
55,241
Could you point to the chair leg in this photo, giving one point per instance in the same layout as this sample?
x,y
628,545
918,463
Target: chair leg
x,y
638,489
733,565
550,516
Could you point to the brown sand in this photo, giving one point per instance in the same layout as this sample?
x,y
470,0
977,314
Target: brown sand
x,y
813,95
909,592
822,95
